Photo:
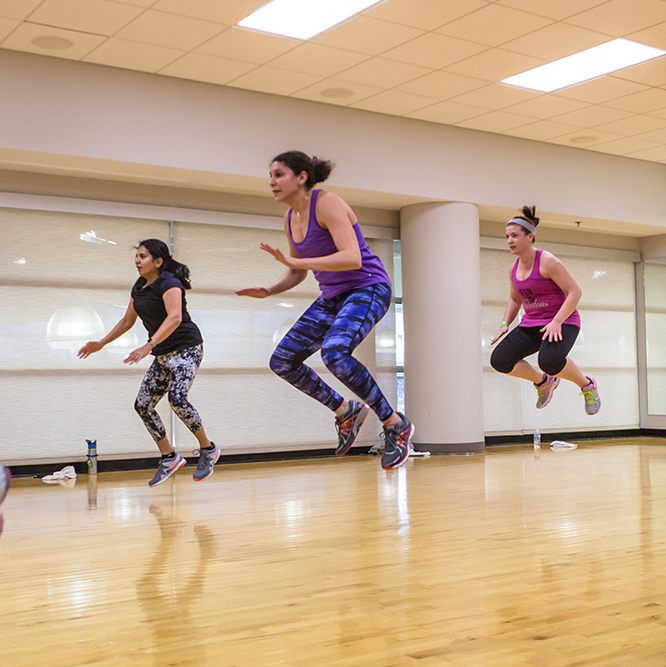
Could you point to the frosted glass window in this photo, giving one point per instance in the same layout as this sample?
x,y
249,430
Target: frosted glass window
x,y
655,335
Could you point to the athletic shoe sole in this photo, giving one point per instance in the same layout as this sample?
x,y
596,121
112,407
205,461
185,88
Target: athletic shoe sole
x,y
404,458
173,470
217,456
358,422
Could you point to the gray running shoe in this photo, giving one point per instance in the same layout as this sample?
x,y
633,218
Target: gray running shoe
x,y
397,440
166,468
545,391
5,476
207,460
348,425
592,400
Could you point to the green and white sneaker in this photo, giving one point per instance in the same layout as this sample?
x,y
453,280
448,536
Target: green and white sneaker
x,y
166,467
207,460
592,400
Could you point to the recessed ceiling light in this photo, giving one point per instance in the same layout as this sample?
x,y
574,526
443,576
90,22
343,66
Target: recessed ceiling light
x,y
303,19
585,139
336,92
584,66
52,43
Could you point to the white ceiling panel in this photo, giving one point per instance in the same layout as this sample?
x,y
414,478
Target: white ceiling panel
x,y
556,41
546,106
382,73
424,14
495,65
441,85
652,73
318,59
601,90
554,9
584,138
494,25
227,12
634,125
246,45
625,146
541,130
100,17
495,121
393,102
621,17
653,154
7,26
593,115
275,81
645,101
495,96
368,35
133,55
448,113
169,30
18,9
435,51
210,69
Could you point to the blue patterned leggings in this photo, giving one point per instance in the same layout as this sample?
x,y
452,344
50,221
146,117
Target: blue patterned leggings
x,y
336,326
172,372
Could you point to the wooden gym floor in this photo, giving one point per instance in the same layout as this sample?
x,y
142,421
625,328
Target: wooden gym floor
x,y
503,559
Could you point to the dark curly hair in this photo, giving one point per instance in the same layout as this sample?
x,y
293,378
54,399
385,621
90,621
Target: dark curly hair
x,y
316,169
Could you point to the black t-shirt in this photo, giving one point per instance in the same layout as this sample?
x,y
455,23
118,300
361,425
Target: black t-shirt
x,y
149,306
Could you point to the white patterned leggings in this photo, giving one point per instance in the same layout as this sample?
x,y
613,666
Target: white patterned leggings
x,y
174,373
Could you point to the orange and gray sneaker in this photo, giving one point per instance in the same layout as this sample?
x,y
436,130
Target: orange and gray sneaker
x,y
397,438
5,476
166,467
592,400
545,391
348,425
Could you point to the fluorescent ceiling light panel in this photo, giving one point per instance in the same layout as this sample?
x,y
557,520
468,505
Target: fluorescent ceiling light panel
x,y
303,19
584,66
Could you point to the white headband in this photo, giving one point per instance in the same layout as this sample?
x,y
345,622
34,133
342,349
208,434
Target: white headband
x,y
523,223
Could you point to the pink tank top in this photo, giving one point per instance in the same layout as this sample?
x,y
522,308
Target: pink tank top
x,y
541,297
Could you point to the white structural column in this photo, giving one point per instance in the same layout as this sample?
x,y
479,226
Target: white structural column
x,y
441,287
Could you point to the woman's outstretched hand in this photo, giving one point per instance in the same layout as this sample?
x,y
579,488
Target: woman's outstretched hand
x,y
503,329
289,262
90,347
138,354
254,292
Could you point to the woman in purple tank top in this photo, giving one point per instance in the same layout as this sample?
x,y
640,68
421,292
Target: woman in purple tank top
x,y
324,237
548,294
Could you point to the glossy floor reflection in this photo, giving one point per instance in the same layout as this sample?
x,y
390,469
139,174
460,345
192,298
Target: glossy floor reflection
x,y
502,560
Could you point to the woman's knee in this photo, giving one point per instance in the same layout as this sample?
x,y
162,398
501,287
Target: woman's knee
x,y
280,365
500,364
552,365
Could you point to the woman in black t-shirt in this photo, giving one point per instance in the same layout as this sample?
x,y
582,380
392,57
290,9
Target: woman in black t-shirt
x,y
158,298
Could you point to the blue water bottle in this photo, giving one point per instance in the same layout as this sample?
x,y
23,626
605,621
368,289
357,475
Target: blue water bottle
x,y
92,457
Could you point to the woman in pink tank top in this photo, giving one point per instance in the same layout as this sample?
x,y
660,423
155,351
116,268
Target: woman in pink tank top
x,y
548,295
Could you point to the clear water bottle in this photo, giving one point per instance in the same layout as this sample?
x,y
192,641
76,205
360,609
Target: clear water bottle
x,y
92,457
537,441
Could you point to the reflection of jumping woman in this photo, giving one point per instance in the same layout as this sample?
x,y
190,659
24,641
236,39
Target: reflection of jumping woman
x,y
158,298
549,296
324,236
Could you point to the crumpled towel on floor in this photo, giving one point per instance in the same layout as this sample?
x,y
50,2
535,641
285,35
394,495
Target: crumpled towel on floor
x,y
560,444
66,477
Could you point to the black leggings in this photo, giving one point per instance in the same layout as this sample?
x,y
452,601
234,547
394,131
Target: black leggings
x,y
523,341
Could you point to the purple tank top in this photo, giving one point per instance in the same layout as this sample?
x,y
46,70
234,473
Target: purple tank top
x,y
541,297
318,242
